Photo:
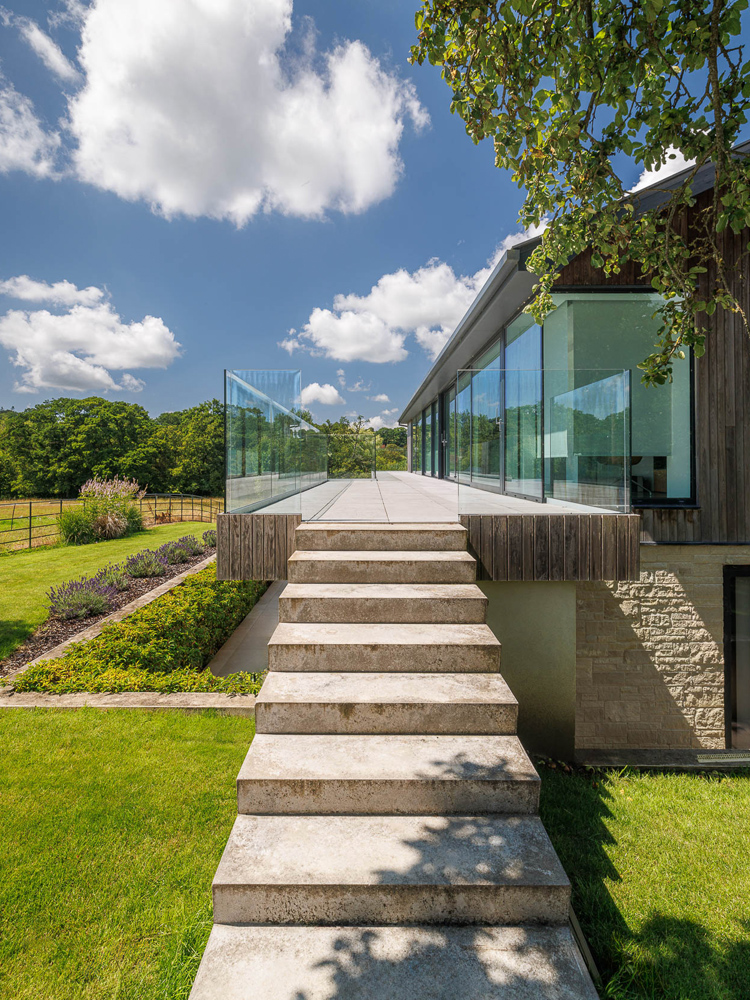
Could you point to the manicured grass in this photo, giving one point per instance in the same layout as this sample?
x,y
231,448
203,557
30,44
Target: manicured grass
x,y
660,866
112,825
27,576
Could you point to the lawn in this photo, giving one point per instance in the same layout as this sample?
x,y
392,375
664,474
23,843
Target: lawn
x,y
25,577
112,825
660,866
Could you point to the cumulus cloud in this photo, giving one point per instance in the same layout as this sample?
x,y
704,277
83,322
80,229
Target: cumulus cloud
x,y
201,108
25,144
380,398
48,51
316,393
674,162
62,293
378,422
78,349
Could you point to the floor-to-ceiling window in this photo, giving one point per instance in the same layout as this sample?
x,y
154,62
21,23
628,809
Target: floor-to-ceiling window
x,y
737,654
416,444
435,439
593,336
463,426
523,402
427,462
449,433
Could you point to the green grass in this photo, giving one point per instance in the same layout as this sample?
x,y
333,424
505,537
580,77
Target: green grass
x,y
112,825
27,576
660,866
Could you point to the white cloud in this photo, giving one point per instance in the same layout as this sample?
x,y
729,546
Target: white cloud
x,y
378,422
197,107
48,51
326,394
513,239
387,413
77,350
62,293
380,398
24,142
674,162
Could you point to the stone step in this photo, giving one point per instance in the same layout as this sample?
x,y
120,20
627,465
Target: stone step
x,y
458,704
404,775
440,603
392,963
361,566
390,870
365,647
344,535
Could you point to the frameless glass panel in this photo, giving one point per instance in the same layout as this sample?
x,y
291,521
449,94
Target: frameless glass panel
x,y
463,426
267,456
435,439
450,433
427,417
485,428
615,331
522,389
416,444
351,456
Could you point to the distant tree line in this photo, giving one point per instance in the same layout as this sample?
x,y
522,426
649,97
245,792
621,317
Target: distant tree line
x,y
51,449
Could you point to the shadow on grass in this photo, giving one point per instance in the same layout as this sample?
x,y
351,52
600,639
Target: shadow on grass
x,y
668,958
12,634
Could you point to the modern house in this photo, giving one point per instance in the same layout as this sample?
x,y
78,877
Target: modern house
x,y
610,521
558,413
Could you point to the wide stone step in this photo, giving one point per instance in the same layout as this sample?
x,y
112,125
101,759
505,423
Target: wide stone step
x,y
415,703
405,775
392,963
390,870
391,537
440,603
365,647
361,566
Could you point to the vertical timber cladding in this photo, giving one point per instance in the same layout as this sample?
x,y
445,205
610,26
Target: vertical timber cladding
x,y
254,546
554,547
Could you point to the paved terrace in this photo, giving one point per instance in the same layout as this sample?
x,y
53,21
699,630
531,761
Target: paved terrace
x,y
406,497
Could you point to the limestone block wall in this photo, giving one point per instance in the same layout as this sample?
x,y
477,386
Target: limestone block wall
x,y
650,654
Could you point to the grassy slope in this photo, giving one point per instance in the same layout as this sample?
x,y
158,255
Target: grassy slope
x,y
660,866
107,866
25,577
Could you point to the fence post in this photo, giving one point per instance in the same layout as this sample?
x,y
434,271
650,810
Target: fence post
x,y
30,503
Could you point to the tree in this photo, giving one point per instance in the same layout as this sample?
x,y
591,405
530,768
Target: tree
x,y
572,92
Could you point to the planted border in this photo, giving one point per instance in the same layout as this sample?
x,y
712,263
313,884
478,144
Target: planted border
x,y
164,646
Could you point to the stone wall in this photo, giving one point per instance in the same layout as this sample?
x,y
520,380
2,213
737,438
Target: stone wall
x,y
650,655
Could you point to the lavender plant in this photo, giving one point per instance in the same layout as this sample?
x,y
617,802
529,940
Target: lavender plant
x,y
173,553
191,545
81,598
209,538
113,575
146,563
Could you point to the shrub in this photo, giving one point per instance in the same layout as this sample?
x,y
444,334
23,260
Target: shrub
x,y
76,527
173,552
146,563
163,646
109,526
113,575
191,545
209,538
134,518
81,598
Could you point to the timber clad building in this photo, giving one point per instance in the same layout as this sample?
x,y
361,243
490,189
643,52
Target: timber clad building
x,y
557,413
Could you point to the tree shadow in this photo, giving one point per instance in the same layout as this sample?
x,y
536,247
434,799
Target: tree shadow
x,y
12,634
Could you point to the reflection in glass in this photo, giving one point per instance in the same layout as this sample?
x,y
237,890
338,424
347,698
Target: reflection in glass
x,y
485,429
463,426
740,603
435,440
450,433
416,444
427,417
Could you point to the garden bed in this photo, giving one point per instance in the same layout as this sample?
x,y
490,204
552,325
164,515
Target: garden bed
x,y
56,629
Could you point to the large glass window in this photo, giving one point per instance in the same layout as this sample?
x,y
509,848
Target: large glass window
x,y
435,439
463,426
737,653
611,331
427,464
416,444
523,408
449,434
485,427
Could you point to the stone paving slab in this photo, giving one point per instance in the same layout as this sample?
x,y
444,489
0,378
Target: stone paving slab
x,y
226,704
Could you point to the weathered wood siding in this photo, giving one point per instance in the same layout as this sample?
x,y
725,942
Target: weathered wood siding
x,y
506,546
554,546
254,546
722,404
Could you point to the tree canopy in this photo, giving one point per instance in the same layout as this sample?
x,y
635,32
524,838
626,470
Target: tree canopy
x,y
575,92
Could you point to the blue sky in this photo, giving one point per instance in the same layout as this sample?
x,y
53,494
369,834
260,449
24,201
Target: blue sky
x,y
229,173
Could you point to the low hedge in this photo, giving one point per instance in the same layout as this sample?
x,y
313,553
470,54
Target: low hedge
x,y
164,646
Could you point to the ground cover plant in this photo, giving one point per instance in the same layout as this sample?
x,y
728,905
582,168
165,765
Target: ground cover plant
x,y
28,575
660,875
163,646
107,866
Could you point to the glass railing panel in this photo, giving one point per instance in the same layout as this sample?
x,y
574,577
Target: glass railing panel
x,y
555,436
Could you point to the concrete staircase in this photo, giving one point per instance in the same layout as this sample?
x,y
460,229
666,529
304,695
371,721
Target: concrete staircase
x,y
388,844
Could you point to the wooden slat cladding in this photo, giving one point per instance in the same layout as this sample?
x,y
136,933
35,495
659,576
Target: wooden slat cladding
x,y
580,271
554,546
254,546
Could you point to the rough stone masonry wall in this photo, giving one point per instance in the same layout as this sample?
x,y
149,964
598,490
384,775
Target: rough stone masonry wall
x,y
650,655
